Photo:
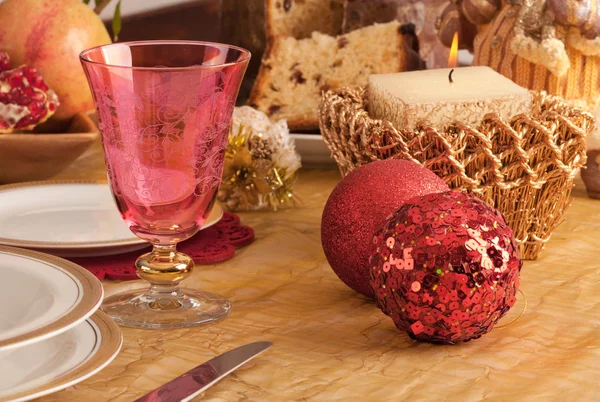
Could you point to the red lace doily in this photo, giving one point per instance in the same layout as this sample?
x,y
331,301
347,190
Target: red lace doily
x,y
214,244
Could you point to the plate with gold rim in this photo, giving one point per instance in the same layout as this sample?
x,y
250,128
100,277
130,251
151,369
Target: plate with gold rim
x,y
69,219
56,363
42,296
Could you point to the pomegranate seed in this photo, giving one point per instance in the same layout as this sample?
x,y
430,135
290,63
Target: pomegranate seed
x,y
38,97
28,99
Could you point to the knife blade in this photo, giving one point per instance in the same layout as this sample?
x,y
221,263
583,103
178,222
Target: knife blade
x,y
197,380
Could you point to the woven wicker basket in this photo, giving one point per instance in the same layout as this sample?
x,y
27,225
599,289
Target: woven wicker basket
x,y
525,169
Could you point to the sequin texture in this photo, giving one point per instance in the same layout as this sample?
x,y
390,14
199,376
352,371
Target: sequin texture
x,y
464,271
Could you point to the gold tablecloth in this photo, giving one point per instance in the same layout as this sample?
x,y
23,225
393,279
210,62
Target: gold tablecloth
x,y
330,344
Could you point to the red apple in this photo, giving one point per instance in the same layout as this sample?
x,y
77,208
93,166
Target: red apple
x,y
49,35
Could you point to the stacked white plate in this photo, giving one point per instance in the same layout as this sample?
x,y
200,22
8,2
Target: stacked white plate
x,y
68,219
51,334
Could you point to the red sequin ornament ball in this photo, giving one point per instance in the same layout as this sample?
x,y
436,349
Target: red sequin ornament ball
x,y
359,205
445,267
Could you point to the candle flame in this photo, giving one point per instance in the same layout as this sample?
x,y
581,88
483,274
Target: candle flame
x,y
453,57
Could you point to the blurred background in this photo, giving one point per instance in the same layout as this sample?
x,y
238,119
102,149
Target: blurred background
x,y
194,20
166,19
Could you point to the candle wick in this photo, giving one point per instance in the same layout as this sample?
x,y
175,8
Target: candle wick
x,y
450,77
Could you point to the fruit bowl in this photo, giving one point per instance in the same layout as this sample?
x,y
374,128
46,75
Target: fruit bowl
x,y
28,157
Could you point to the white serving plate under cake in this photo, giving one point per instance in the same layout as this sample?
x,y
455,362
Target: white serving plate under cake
x,y
68,218
313,151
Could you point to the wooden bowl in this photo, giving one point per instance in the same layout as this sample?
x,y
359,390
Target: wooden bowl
x,y
28,157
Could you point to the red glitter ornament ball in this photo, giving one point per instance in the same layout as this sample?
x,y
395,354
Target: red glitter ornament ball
x,y
359,205
445,267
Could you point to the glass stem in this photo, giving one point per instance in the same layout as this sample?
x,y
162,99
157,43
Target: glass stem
x,y
164,267
163,254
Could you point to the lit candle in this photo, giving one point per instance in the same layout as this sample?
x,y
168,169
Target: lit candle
x,y
444,96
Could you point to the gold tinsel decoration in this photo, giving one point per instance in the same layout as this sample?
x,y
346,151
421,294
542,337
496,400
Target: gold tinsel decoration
x,y
251,178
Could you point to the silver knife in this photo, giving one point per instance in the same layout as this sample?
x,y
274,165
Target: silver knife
x,y
197,380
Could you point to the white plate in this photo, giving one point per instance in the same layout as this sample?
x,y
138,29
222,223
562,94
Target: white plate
x,y
59,362
313,151
70,219
41,296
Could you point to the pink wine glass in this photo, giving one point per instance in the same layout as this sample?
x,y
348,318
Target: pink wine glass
x,y
164,110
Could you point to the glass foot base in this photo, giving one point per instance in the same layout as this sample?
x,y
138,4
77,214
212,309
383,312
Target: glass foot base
x,y
180,308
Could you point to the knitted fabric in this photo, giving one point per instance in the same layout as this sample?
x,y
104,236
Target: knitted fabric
x,y
210,246
493,47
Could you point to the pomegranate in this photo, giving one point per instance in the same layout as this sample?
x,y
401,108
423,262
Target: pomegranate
x,y
49,35
25,99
